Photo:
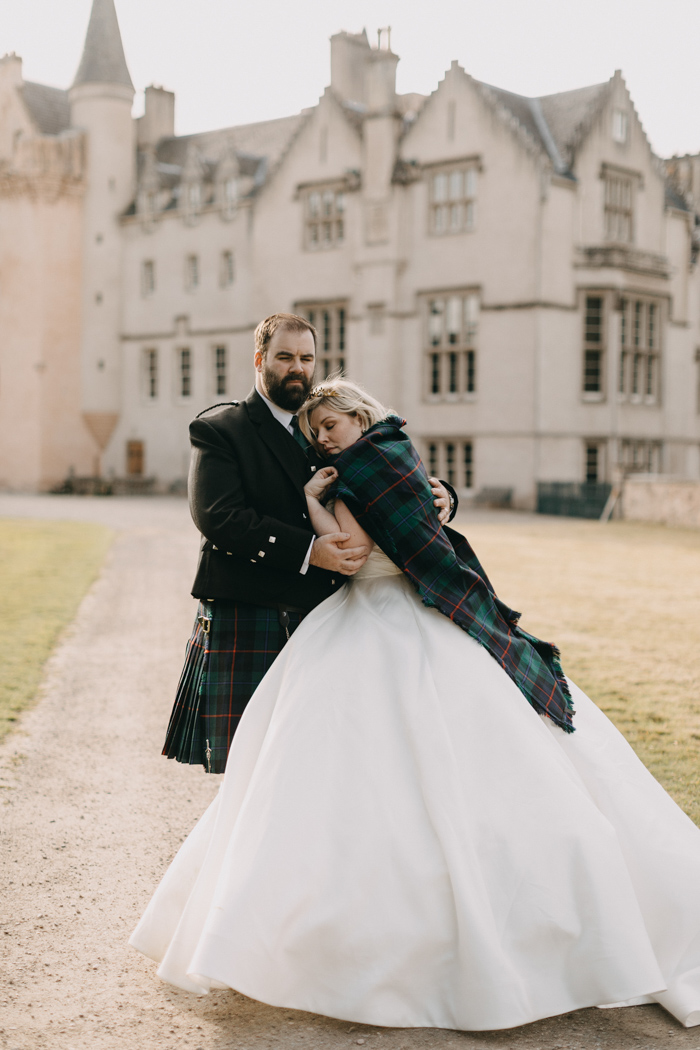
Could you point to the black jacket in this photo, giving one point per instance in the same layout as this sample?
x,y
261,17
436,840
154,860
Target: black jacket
x,y
246,492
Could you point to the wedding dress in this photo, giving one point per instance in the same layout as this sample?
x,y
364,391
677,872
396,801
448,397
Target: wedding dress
x,y
401,840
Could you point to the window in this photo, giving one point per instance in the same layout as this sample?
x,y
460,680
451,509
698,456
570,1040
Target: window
x,y
226,269
594,462
453,199
594,347
620,125
619,191
220,369
150,360
640,348
451,459
324,218
192,273
148,277
134,458
185,372
330,323
642,457
376,314
194,195
451,335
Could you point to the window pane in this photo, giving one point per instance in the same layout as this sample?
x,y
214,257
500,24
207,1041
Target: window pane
x,y
433,459
456,186
453,383
636,366
434,373
651,326
468,464
455,216
592,371
440,188
326,330
437,307
638,307
341,329
470,181
328,203
454,318
650,375
591,463
339,202
185,373
471,318
450,462
594,319
469,213
621,373
471,371
623,323
314,204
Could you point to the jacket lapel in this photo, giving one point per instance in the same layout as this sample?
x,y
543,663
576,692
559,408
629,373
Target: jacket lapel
x,y
280,442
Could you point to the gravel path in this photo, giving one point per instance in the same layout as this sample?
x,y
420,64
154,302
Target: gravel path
x,y
90,816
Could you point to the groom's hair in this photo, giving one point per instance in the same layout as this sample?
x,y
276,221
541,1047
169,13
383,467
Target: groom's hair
x,y
289,322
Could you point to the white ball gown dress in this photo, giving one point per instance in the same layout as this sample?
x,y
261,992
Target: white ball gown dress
x,y
400,840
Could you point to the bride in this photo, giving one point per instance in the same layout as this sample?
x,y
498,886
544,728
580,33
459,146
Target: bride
x,y
409,832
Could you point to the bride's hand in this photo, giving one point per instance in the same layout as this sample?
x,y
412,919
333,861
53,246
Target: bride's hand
x,y
321,480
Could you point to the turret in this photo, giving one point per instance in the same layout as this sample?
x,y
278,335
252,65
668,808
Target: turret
x,y
101,100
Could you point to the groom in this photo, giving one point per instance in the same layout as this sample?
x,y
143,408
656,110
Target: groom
x,y
261,569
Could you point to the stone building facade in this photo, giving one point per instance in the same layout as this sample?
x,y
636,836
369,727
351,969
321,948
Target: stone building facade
x,y
516,276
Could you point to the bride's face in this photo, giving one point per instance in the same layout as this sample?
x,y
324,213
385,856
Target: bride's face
x,y
334,431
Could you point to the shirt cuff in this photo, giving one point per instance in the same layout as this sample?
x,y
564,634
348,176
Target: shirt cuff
x,y
305,566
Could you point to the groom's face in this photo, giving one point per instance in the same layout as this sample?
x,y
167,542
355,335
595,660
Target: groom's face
x,y
286,370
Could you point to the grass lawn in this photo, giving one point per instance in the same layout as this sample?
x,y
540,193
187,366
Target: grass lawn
x,y
45,569
622,601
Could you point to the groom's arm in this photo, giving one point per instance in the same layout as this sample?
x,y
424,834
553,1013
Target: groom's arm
x,y
221,511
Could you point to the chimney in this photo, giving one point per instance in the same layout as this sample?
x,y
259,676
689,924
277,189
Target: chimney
x,y
349,53
158,120
11,68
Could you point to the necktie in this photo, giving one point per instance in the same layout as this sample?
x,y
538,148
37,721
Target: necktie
x,y
297,434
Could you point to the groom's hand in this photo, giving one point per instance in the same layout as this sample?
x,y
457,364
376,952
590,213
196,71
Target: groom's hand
x,y
328,554
442,500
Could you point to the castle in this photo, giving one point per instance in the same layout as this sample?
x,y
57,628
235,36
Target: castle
x,y
515,275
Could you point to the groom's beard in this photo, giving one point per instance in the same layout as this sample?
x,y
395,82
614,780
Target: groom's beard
x,y
288,393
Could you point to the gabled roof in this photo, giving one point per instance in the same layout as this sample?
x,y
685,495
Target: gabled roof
x,y
268,138
555,122
49,107
103,60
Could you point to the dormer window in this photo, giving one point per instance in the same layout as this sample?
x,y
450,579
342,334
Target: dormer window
x,y
194,195
324,219
453,199
620,125
230,191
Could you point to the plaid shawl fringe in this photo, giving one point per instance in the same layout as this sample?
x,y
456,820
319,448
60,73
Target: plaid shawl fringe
x,y
384,483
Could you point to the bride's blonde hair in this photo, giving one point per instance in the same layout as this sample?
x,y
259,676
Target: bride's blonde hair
x,y
341,395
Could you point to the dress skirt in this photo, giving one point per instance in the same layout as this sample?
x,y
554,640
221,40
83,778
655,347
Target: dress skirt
x,y
401,840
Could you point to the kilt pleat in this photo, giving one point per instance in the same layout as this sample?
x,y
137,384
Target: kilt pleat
x,y
183,739
223,667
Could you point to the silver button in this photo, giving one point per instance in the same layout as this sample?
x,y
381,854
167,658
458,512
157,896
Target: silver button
x,y
332,579
254,561
313,468
261,554
229,553
273,539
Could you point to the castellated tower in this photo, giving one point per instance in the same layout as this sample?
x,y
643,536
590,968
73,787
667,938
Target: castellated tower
x,y
101,99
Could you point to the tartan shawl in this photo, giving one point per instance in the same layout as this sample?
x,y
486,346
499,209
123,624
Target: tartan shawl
x,y
384,484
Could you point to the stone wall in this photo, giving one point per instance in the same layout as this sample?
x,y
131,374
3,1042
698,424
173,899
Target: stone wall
x,y
668,501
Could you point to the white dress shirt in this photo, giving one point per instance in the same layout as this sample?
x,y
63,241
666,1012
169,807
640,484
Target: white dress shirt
x,y
285,418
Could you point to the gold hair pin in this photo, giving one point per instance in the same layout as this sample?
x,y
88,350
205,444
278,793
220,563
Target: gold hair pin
x,y
323,392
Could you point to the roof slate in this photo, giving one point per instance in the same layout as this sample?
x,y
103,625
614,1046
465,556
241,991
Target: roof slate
x,y
49,107
268,138
103,60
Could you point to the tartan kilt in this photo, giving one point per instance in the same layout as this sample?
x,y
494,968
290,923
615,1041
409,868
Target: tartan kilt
x,y
232,646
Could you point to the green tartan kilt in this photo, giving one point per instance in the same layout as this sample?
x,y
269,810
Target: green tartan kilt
x,y
231,647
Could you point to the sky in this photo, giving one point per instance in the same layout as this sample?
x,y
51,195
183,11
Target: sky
x,y
232,62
